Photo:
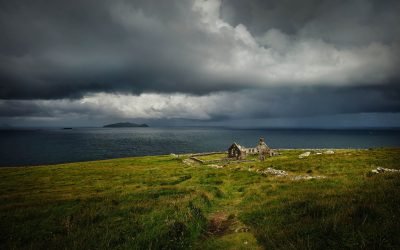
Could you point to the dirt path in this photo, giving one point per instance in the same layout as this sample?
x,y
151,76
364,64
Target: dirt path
x,y
226,231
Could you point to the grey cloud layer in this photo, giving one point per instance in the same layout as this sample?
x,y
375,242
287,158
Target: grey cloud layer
x,y
339,22
56,49
198,59
245,104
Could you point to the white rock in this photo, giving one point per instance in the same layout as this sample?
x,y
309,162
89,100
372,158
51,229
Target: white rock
x,y
215,166
329,152
307,177
242,229
306,154
382,170
272,171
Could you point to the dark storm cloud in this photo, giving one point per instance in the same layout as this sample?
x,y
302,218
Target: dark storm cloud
x,y
341,22
272,58
55,49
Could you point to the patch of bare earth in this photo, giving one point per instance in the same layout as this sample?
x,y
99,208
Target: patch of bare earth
x,y
219,224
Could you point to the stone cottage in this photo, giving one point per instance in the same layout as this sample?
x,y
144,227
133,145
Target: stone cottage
x,y
240,152
237,151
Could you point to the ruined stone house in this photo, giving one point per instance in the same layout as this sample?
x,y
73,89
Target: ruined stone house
x,y
240,152
237,151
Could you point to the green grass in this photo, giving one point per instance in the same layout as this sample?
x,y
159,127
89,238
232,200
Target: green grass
x,y
211,157
158,202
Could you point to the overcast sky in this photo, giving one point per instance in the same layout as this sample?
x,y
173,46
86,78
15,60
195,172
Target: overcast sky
x,y
270,63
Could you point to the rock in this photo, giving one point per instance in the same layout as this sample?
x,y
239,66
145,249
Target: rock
x,y
329,152
391,170
306,177
242,229
318,153
215,166
379,170
272,171
173,155
306,154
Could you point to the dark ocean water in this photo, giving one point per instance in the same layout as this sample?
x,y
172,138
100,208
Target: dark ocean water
x,y
49,146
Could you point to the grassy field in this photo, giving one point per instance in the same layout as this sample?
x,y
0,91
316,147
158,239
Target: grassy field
x,y
211,157
165,202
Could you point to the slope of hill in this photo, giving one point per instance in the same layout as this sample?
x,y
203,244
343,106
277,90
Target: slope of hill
x,y
173,202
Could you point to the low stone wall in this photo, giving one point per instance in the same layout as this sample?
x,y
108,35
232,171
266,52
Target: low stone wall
x,y
209,153
197,159
224,160
193,157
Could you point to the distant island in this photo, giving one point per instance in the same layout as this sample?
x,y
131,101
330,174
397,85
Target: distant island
x,y
126,125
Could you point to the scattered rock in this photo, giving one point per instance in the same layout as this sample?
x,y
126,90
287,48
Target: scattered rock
x,y
380,170
215,166
242,229
189,162
329,152
306,177
306,154
272,171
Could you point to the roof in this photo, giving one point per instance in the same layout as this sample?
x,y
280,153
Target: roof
x,y
238,146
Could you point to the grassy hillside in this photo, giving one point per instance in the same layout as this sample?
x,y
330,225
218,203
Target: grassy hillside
x,y
174,203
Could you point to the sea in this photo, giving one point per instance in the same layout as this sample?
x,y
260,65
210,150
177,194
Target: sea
x,y
30,147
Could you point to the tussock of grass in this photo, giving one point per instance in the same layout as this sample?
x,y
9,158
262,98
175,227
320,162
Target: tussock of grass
x,y
160,203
